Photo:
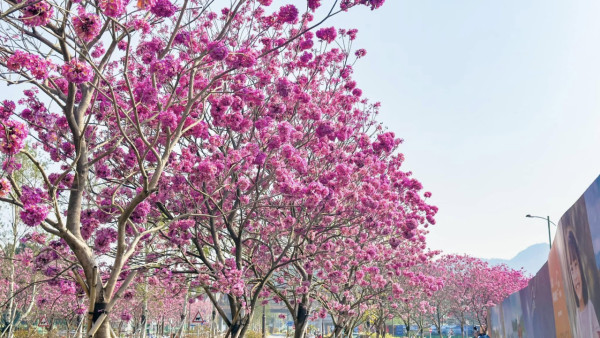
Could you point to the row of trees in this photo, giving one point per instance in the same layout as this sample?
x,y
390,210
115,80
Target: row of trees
x,y
466,287
52,302
222,147
460,289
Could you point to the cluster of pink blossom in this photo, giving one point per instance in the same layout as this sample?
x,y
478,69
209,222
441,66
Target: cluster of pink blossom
x,y
33,215
112,8
288,14
37,13
37,67
104,237
4,187
347,4
7,108
77,71
163,8
87,26
327,34
35,208
12,136
314,4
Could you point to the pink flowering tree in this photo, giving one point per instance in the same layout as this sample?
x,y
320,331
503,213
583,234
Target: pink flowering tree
x,y
389,214
363,274
123,97
38,291
17,291
413,278
158,298
472,286
283,212
460,278
441,298
493,284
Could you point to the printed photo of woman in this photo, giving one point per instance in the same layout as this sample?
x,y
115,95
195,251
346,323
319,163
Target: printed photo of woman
x,y
586,314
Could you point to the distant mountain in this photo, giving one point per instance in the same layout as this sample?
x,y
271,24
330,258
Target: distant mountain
x,y
530,259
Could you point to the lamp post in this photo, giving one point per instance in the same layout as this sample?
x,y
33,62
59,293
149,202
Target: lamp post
x,y
547,218
264,323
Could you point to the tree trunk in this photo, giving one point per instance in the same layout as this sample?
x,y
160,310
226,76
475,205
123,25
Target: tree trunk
x,y
104,330
301,321
80,323
337,330
12,307
241,326
213,322
184,312
144,319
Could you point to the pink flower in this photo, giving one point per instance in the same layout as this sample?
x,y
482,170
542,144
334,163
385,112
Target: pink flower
x,y
38,67
352,33
283,87
373,3
104,237
217,50
163,8
4,187
33,215
12,137
77,71
288,14
327,34
141,211
38,13
385,142
243,58
87,26
7,108
206,170
314,4
259,159
31,196
112,8
168,119
126,316
128,295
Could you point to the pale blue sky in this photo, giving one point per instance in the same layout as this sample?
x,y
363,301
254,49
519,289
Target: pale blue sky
x,y
498,104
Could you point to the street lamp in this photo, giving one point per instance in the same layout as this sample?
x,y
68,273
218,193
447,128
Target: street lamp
x,y
264,322
547,218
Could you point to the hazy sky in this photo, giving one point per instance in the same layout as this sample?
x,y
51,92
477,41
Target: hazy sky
x,y
498,104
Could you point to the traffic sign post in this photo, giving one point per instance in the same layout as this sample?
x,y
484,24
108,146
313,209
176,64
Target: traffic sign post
x,y
43,322
198,319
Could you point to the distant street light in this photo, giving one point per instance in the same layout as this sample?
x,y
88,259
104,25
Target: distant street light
x,y
547,218
264,322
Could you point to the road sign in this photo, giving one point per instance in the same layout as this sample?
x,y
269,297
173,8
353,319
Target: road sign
x,y
43,322
198,318
290,323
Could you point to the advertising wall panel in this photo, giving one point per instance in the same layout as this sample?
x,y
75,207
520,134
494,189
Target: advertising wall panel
x,y
562,299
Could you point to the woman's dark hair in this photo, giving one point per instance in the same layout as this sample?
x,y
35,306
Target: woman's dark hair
x,y
573,254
